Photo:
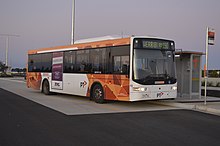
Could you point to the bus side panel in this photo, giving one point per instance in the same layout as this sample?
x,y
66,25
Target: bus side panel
x,y
76,84
116,87
34,80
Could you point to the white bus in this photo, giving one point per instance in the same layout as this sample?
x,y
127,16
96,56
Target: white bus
x,y
126,69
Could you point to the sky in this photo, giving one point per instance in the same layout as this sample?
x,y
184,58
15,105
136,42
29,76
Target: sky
x,y
47,23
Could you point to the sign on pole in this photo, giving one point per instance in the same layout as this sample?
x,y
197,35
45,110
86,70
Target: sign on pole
x,y
210,37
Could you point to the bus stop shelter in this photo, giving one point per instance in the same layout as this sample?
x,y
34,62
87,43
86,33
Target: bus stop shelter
x,y
189,74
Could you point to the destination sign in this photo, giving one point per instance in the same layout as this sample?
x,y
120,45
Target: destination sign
x,y
151,44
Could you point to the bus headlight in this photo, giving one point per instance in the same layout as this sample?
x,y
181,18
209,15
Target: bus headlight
x,y
174,88
139,89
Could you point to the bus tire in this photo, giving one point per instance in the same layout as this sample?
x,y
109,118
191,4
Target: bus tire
x,y
46,88
98,94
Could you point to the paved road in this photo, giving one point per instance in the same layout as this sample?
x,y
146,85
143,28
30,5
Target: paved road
x,y
24,122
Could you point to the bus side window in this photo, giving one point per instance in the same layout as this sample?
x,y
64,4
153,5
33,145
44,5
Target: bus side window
x,y
121,64
82,61
30,63
124,68
117,62
69,62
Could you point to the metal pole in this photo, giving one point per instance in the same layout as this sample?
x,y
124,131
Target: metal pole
x,y
6,51
73,22
206,64
190,76
7,45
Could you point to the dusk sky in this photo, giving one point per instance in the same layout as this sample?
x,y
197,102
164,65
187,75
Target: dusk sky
x,y
47,23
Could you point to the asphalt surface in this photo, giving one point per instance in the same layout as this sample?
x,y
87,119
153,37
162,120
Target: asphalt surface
x,y
24,122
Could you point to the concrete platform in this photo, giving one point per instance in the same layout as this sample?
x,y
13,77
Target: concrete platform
x,y
212,104
75,105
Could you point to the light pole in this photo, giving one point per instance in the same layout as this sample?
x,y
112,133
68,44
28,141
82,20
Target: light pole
x,y
7,45
73,22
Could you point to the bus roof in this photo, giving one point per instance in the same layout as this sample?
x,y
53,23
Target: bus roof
x,y
99,42
95,44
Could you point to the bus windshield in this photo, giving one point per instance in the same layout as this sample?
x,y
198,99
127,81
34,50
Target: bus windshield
x,y
154,66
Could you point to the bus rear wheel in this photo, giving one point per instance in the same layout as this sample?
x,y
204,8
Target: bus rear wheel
x,y
98,94
46,88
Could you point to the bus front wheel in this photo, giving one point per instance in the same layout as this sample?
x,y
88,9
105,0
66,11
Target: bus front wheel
x,y
46,87
98,94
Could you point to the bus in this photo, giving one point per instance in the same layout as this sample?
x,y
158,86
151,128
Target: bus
x,y
125,69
